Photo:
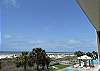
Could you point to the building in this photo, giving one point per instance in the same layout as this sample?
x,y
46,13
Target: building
x,y
91,8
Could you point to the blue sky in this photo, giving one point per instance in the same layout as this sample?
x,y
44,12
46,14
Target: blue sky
x,y
54,25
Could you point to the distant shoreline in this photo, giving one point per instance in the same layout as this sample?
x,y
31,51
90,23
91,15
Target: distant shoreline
x,y
17,52
46,51
10,54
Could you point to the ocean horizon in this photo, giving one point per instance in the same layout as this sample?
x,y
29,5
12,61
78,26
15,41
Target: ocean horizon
x,y
19,52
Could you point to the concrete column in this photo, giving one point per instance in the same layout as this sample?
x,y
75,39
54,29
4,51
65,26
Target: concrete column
x,y
98,42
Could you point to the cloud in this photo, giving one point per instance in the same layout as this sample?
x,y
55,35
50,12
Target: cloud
x,y
48,45
7,36
66,45
35,41
71,41
10,3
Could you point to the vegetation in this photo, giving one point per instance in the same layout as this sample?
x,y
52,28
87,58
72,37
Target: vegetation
x,y
0,64
61,66
90,55
37,60
93,55
79,53
37,57
41,58
22,60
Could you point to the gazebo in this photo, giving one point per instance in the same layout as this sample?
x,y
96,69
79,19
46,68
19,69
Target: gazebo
x,y
84,58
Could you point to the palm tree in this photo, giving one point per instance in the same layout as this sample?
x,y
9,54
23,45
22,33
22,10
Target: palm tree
x,y
94,56
43,53
47,61
22,60
40,57
78,54
37,55
31,60
90,55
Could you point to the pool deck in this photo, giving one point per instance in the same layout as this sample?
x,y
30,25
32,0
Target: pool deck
x,y
88,69
84,69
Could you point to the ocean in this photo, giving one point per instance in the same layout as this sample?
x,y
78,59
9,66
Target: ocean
x,y
9,52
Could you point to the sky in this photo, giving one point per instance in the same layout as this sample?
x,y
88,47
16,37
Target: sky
x,y
54,25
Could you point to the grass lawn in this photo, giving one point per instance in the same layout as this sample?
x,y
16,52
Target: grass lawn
x,y
61,66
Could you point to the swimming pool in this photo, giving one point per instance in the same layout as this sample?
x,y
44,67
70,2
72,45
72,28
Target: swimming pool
x,y
69,69
94,61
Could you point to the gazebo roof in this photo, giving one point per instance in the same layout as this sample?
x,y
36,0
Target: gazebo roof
x,y
84,57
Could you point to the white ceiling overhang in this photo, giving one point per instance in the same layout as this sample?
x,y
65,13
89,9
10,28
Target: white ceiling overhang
x,y
91,8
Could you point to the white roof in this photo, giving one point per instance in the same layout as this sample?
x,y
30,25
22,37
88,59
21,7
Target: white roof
x,y
7,56
84,57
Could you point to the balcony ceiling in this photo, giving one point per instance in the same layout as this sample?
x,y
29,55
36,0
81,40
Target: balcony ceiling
x,y
92,10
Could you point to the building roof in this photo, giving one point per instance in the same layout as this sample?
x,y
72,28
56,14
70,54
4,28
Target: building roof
x,y
92,10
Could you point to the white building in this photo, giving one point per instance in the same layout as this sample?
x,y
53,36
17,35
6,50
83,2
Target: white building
x,y
91,9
